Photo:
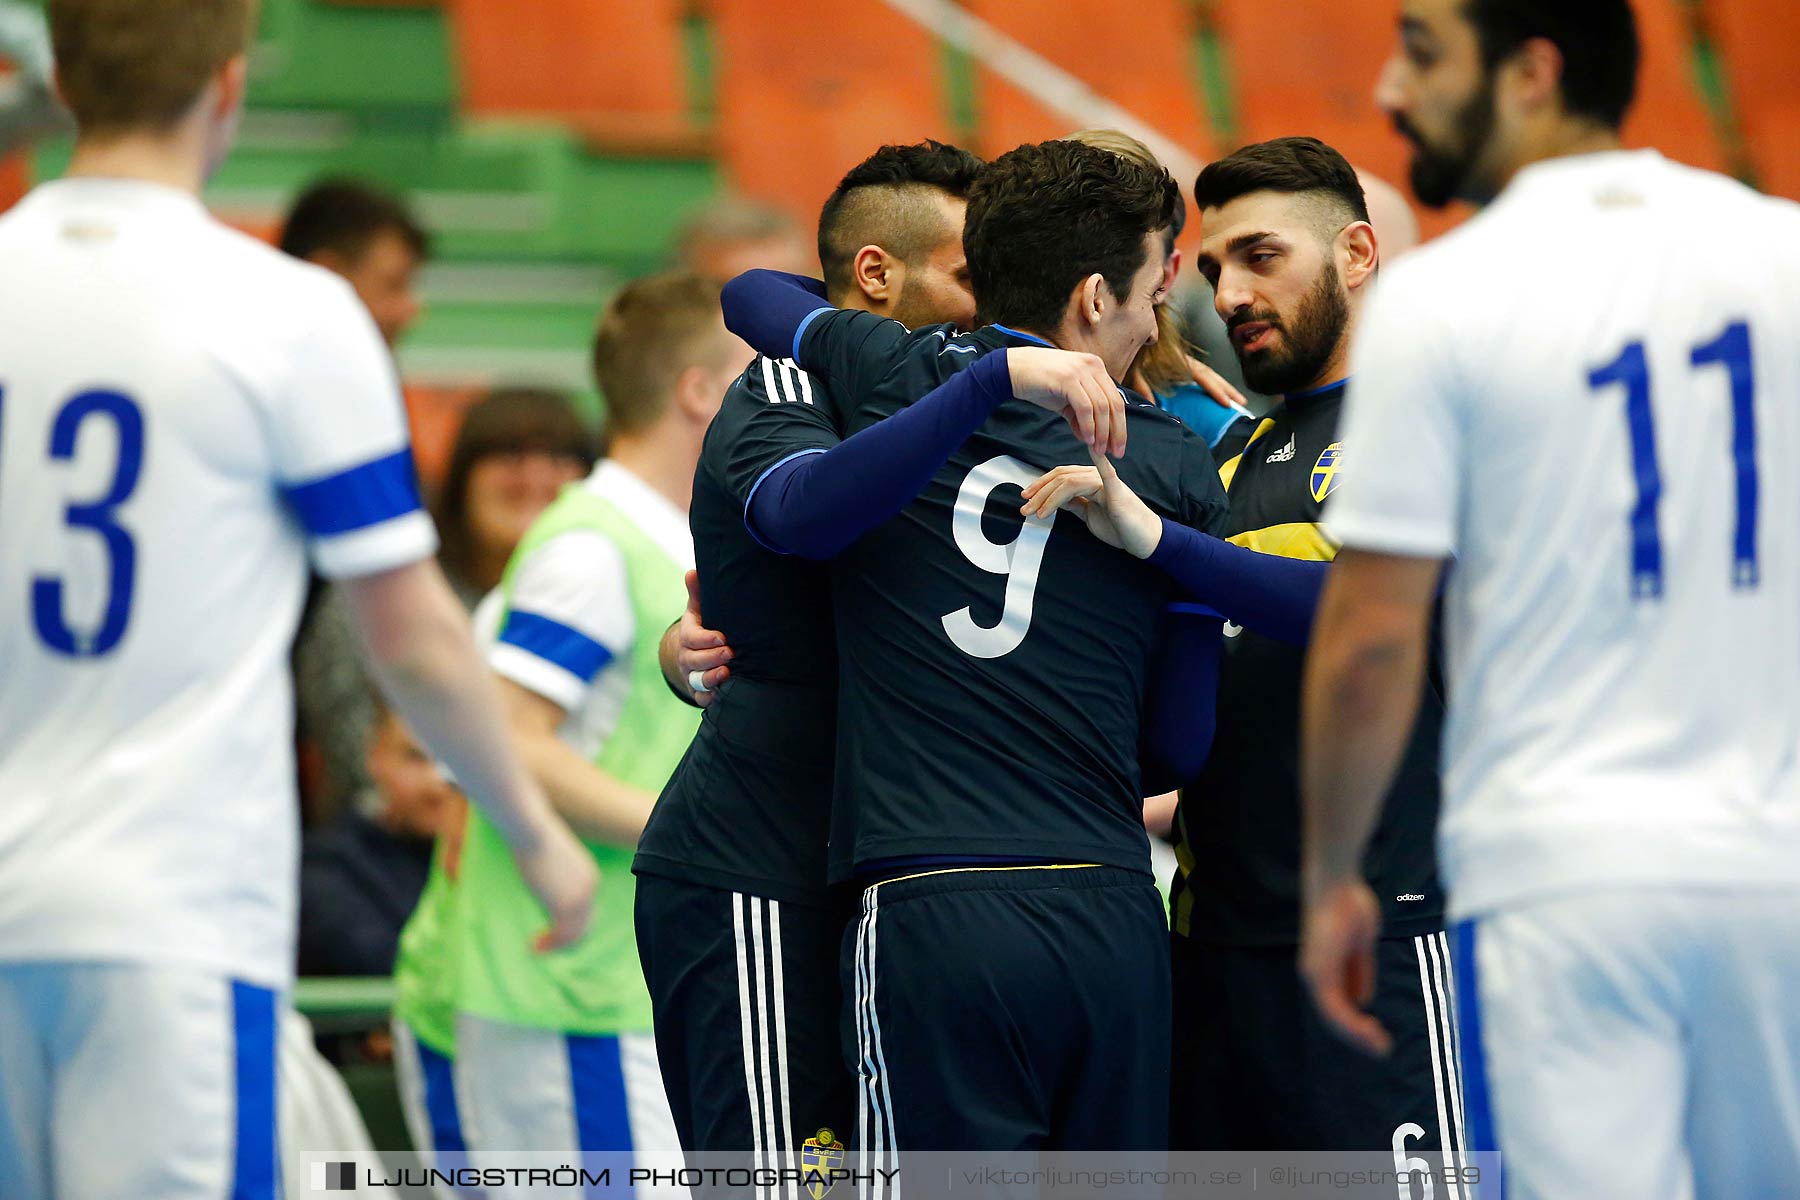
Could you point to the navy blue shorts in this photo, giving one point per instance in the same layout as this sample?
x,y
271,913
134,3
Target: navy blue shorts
x,y
1256,1068
744,992
1016,1008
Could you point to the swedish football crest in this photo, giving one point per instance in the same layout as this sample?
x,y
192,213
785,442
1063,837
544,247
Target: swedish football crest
x,y
1324,472
819,1156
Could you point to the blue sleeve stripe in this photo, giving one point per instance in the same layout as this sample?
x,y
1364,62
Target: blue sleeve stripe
x,y
806,321
751,497
1198,610
554,642
355,499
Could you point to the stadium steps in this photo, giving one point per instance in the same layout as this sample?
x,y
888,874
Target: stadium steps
x,y
535,221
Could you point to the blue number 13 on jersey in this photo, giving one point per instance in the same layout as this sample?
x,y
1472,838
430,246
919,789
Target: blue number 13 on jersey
x,y
48,611
1730,350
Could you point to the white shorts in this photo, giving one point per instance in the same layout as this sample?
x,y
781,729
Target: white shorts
x,y
427,1081
126,1079
1639,1044
317,1113
524,1089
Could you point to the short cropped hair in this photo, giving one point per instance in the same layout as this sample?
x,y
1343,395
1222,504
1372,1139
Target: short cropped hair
x,y
1044,217
885,200
1298,166
142,64
652,331
731,219
344,215
1598,41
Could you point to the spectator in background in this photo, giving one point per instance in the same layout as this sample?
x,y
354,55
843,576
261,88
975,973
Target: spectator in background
x,y
733,235
515,450
361,875
371,239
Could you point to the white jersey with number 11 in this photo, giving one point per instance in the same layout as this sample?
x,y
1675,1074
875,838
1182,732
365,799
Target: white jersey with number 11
x,y
1589,396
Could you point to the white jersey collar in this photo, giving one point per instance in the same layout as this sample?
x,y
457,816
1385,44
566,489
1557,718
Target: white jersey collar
x,y
124,193
1572,168
660,519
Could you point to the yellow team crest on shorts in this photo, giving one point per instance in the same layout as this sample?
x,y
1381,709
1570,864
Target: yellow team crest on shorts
x,y
1324,472
820,1155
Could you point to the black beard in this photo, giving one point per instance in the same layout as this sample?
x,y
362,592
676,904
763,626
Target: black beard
x,y
1441,174
1309,339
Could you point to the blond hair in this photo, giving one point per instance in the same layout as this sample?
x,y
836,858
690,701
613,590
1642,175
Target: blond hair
x,y
142,64
652,331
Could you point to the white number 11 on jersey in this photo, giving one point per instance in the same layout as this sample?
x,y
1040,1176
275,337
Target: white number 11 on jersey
x,y
1018,559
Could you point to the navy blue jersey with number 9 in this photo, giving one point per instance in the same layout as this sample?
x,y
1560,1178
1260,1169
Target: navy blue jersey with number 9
x,y
994,668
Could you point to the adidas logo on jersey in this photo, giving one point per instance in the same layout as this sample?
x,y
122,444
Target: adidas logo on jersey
x,y
1283,454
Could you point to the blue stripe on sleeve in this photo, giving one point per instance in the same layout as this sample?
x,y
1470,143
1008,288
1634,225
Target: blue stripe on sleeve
x,y
751,498
805,321
554,642
1198,610
366,495
254,1171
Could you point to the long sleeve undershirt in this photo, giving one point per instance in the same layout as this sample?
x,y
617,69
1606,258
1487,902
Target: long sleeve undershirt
x,y
769,310
1183,698
819,503
1265,593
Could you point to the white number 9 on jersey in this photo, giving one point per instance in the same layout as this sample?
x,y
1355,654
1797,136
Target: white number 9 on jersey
x,y
1018,559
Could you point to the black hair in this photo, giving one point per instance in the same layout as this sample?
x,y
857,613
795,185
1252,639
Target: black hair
x,y
1597,39
879,203
1292,165
1044,217
343,216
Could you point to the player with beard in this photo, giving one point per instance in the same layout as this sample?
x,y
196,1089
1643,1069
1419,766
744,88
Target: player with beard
x,y
1451,133
998,677
1621,824
1290,254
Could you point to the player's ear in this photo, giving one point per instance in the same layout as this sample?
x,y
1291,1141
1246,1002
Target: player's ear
x,y
877,274
232,82
696,394
1358,254
1092,297
1532,76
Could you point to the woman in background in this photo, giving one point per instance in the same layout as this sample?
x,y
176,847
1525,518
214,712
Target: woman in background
x,y
515,450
